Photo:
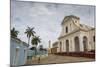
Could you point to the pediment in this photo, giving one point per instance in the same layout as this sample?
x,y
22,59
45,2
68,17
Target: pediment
x,y
70,17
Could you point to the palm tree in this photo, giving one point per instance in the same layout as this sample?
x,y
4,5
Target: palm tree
x,y
14,33
35,41
29,31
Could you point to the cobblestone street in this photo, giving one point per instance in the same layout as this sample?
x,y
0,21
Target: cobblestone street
x,y
54,59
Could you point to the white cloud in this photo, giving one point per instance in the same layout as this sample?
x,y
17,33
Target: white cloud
x,y
46,18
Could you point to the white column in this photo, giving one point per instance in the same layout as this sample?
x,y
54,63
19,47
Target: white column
x,y
58,46
81,43
16,57
73,44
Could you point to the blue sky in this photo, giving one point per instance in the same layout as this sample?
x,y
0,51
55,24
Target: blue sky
x,y
46,18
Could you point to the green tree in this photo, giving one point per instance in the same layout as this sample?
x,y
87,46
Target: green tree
x,y
35,41
14,33
30,32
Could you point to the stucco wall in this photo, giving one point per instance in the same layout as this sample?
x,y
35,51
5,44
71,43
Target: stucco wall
x,y
89,35
73,24
22,53
71,42
90,43
91,40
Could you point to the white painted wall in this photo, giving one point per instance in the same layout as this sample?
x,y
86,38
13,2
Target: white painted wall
x,y
73,26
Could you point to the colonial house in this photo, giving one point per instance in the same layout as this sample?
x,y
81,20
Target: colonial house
x,y
18,52
54,47
75,37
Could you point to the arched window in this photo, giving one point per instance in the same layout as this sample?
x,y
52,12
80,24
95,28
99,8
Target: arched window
x,y
94,38
66,29
77,45
85,43
67,45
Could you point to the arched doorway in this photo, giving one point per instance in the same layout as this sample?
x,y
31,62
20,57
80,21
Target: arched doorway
x,y
77,45
85,43
93,38
67,45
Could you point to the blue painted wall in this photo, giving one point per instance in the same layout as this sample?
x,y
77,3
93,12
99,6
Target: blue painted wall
x,y
22,53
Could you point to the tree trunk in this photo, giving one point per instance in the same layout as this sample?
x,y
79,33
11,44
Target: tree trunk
x,y
28,41
35,50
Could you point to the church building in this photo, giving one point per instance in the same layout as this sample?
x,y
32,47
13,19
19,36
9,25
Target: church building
x,y
75,37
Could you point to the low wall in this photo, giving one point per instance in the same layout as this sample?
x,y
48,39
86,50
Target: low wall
x,y
42,56
78,54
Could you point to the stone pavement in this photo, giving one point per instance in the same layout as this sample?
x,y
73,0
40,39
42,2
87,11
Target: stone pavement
x,y
54,59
